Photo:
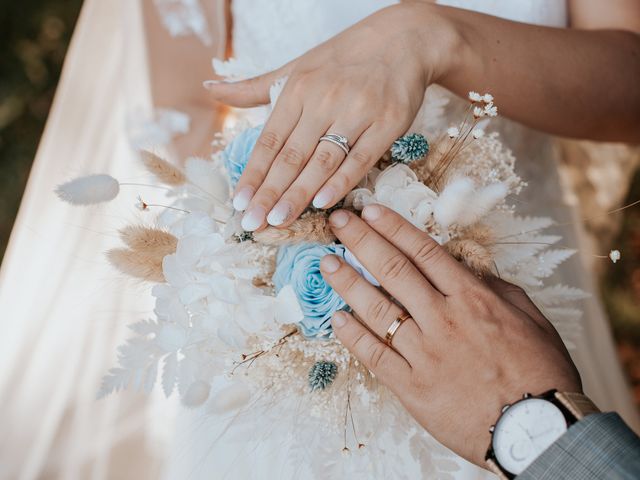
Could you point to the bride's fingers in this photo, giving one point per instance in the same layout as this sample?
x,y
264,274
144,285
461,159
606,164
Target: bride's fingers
x,y
326,159
443,271
275,133
284,169
375,309
383,361
371,145
246,93
387,264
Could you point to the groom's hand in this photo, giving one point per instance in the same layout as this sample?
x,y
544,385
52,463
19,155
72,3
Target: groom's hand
x,y
470,346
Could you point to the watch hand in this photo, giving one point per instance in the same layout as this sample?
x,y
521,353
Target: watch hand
x,y
525,431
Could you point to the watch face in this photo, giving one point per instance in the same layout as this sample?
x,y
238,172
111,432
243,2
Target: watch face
x,y
524,431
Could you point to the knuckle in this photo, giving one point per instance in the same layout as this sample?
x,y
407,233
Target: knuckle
x,y
292,156
428,252
349,285
377,355
326,161
267,195
340,182
360,239
395,268
479,303
362,158
270,141
379,310
396,229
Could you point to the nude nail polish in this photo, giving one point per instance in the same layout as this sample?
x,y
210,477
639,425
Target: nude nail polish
x,y
253,218
242,198
323,197
280,213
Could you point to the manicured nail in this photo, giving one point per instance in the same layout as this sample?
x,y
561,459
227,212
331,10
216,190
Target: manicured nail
x,y
323,197
330,264
253,218
339,218
339,319
242,198
371,212
280,213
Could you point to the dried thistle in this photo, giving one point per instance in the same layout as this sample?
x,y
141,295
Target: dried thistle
x,y
163,170
311,227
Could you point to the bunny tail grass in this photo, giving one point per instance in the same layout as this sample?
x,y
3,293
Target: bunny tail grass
x,y
140,238
89,190
164,171
477,257
311,227
143,265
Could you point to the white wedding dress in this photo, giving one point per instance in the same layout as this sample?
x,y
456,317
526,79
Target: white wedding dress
x,y
62,311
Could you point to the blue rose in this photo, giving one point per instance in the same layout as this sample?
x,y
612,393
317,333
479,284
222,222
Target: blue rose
x,y
236,154
299,266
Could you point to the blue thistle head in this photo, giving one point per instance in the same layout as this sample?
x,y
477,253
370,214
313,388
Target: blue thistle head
x,y
409,148
322,374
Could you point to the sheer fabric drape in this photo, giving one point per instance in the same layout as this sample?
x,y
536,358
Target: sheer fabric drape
x,y
63,309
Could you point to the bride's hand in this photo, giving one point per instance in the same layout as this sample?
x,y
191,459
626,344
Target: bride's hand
x,y
366,84
468,348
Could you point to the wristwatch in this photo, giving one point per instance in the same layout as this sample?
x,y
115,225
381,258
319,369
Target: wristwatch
x,y
529,426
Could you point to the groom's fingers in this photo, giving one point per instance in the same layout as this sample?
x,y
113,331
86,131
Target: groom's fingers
x,y
384,362
443,271
386,263
373,307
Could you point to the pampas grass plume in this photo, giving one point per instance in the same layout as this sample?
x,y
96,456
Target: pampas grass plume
x,y
89,190
163,170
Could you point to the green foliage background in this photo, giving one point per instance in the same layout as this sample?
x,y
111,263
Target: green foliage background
x,y
34,35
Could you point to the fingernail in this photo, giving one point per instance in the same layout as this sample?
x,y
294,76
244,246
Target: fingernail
x,y
323,197
242,198
213,83
253,218
339,218
280,213
339,319
329,264
371,212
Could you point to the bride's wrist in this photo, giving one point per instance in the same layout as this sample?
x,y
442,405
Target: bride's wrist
x,y
439,38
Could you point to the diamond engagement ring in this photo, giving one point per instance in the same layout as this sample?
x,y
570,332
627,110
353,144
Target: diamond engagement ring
x,y
339,140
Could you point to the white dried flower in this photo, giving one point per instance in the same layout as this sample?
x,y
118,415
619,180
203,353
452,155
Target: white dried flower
x,y
196,394
477,133
490,110
475,97
141,204
615,255
453,132
89,190
478,112
487,98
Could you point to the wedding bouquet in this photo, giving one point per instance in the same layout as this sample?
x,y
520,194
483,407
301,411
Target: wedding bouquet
x,y
241,323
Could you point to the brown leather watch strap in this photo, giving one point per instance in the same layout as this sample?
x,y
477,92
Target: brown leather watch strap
x,y
578,404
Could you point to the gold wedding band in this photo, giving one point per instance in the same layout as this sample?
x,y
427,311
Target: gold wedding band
x,y
393,328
